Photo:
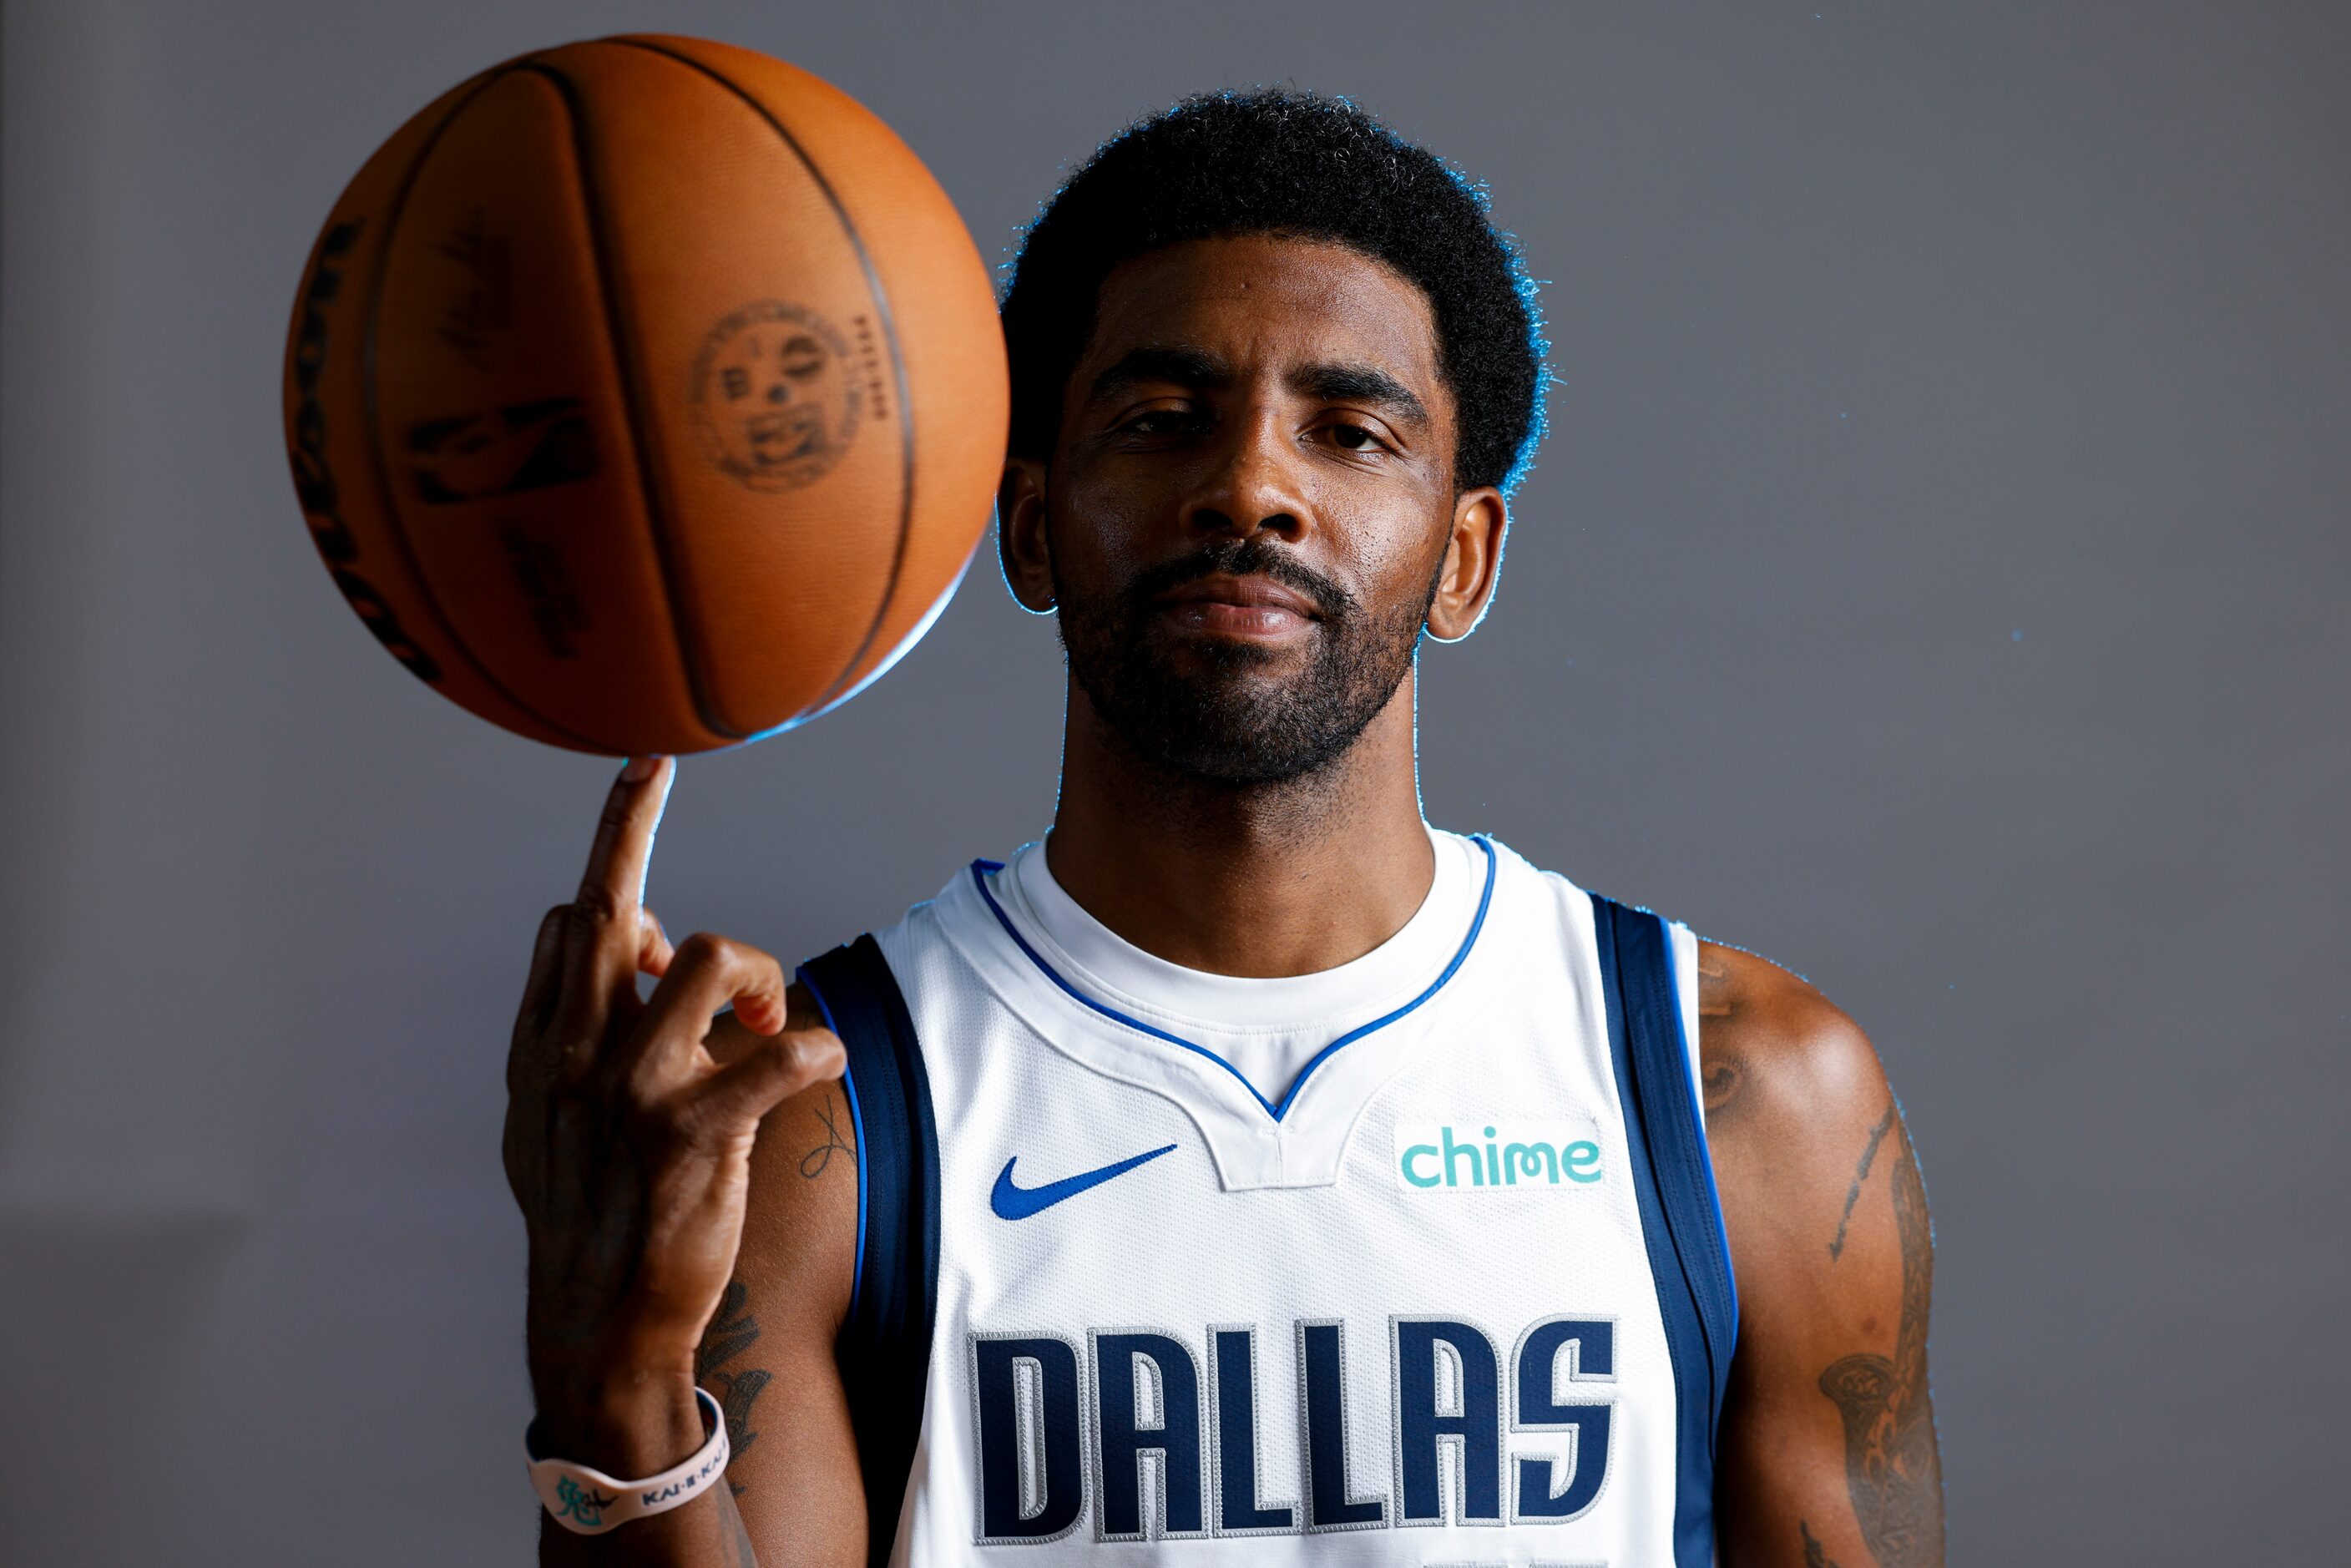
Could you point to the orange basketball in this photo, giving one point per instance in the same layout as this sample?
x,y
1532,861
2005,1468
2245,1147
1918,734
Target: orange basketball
x,y
645,395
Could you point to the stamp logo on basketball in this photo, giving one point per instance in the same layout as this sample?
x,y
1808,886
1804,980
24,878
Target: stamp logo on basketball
x,y
775,395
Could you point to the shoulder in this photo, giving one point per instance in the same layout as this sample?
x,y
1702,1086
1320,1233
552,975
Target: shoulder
x,y
1798,1115
1828,1419
768,1353
1774,1053
799,1233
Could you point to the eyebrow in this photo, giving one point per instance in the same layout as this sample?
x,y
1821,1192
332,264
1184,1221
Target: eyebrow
x,y
1357,384
1184,367
1329,383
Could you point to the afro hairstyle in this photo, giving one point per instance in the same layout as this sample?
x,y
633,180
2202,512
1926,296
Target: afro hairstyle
x,y
1279,161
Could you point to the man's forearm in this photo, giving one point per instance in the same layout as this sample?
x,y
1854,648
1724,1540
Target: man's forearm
x,y
707,1532
642,1432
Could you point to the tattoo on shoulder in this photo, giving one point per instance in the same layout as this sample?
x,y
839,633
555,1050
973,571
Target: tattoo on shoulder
x,y
1721,1072
818,1160
1893,1472
1815,1555
733,1330
1713,986
1860,1174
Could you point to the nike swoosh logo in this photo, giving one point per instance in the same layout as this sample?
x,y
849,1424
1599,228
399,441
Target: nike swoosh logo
x,y
1012,1202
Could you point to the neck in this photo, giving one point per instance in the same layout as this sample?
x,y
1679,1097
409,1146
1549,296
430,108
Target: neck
x,y
1286,878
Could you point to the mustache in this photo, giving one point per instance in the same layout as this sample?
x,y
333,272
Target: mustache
x,y
1253,556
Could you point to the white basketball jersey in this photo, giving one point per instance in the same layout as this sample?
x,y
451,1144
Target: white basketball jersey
x,y
1455,1293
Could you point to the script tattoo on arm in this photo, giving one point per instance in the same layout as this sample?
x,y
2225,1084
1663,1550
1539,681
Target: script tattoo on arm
x,y
1893,1472
818,1160
733,1330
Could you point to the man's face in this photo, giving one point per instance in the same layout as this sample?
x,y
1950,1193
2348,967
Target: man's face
x,y
1250,502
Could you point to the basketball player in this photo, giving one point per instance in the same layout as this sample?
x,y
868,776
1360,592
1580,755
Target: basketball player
x,y
1249,1172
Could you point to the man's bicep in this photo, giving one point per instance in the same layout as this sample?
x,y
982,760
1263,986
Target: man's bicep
x,y
1828,1456
767,1355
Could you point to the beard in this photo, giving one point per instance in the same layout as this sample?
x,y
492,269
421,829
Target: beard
x,y
1227,720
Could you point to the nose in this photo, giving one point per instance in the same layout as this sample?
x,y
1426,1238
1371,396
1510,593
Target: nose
x,y
1252,484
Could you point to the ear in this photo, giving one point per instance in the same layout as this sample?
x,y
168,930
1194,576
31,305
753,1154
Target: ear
x,y
1473,564
1021,543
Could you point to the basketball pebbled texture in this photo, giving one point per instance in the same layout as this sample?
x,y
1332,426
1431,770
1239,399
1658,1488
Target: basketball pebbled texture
x,y
645,395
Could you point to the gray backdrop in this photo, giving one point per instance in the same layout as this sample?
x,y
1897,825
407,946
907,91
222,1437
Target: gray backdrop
x,y
1935,580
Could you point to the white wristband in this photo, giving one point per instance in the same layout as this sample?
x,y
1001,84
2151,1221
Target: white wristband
x,y
589,1502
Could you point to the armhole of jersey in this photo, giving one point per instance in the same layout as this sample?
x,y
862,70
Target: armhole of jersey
x,y
1673,1182
1684,955
884,1349
1685,961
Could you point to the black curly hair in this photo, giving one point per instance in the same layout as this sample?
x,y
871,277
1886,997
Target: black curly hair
x,y
1280,161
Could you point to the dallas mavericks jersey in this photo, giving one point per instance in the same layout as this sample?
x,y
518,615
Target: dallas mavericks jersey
x,y
1456,1291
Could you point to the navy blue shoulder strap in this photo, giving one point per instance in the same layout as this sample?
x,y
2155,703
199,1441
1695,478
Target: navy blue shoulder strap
x,y
1673,1181
885,1350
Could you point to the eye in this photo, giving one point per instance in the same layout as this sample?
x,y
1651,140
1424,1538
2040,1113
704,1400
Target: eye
x,y
1355,438
1159,422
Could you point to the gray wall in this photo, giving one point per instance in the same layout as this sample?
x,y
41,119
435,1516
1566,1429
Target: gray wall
x,y
1936,580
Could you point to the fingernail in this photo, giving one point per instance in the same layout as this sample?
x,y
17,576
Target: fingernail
x,y
639,769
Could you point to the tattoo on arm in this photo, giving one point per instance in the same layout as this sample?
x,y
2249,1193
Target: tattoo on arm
x,y
1713,987
1893,1472
1860,1174
1815,1555
1721,1072
818,1159
733,1330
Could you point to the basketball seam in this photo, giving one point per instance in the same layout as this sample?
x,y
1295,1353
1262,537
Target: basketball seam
x,y
632,403
371,415
881,298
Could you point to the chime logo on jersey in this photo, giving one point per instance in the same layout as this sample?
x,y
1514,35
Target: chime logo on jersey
x,y
1168,1448
1469,1281
1485,1156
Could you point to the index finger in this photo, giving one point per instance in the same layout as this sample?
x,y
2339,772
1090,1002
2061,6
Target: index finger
x,y
615,880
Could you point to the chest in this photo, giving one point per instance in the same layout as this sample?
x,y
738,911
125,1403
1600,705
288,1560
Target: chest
x,y
1412,1296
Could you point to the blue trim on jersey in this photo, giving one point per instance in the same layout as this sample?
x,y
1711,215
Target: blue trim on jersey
x,y
1704,1145
980,868
857,1131
1673,1184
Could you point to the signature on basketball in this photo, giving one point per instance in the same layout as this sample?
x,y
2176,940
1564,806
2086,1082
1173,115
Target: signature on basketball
x,y
485,301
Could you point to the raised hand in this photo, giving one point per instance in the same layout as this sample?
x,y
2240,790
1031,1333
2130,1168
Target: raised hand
x,y
628,1144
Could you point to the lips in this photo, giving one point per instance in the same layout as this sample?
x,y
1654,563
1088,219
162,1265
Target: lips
x,y
1247,606
1249,592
